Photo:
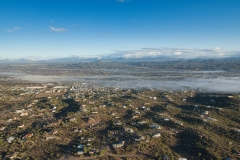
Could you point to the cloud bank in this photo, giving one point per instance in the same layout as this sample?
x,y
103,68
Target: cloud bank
x,y
177,53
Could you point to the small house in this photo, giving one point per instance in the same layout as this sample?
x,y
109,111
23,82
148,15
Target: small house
x,y
10,139
156,135
119,144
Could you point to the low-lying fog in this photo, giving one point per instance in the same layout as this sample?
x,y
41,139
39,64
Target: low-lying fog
x,y
207,81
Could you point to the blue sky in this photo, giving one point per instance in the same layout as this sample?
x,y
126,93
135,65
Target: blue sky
x,y
61,28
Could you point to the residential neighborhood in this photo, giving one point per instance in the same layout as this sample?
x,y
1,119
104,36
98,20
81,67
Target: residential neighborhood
x,y
52,121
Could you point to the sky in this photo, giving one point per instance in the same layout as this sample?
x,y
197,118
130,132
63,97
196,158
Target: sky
x,y
62,28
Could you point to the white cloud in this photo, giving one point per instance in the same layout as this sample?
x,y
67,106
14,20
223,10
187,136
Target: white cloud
x,y
12,29
154,53
220,54
127,56
16,28
177,53
57,29
141,54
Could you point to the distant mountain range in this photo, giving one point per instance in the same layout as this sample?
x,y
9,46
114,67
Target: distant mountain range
x,y
114,57
82,59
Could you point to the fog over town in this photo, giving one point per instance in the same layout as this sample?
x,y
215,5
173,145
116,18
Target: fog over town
x,y
207,81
